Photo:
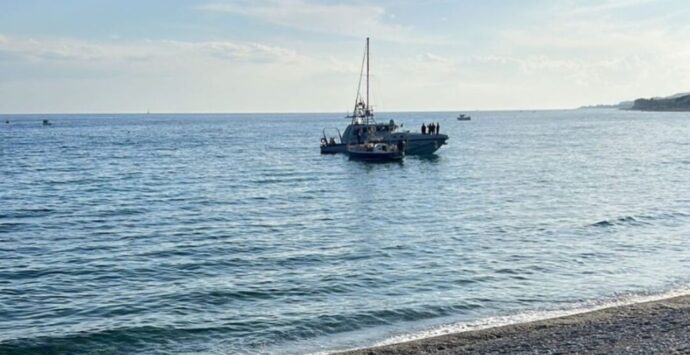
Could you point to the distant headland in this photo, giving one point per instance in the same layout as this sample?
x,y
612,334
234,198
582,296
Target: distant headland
x,y
677,102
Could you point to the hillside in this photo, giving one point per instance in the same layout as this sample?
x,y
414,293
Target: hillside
x,y
671,103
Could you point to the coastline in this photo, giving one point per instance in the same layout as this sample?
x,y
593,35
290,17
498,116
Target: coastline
x,y
658,326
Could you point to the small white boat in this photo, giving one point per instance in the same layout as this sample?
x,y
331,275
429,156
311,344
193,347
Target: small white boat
x,y
376,151
464,117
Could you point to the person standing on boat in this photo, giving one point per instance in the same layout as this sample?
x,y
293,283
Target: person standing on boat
x,y
438,127
423,129
431,128
401,146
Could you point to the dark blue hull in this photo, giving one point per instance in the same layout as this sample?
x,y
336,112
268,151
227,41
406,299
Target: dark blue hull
x,y
416,144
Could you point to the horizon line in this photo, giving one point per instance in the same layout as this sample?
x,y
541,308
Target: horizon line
x,y
280,112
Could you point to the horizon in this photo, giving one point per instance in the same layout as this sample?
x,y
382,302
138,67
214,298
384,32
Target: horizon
x,y
300,56
293,112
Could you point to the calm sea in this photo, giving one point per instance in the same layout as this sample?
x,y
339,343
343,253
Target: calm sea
x,y
232,234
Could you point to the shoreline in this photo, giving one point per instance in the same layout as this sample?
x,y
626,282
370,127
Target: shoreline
x,y
657,326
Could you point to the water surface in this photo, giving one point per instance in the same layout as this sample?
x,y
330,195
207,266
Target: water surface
x,y
231,233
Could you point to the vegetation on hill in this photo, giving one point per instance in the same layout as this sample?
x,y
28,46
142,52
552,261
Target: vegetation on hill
x,y
672,103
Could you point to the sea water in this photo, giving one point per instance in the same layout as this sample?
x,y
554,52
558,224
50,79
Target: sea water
x,y
232,234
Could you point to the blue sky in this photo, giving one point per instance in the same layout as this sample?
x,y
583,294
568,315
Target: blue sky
x,y
304,55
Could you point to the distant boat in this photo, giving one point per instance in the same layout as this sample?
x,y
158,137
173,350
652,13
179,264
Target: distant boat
x,y
464,117
46,123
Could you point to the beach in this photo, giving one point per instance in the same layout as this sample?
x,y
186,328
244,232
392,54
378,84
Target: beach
x,y
661,326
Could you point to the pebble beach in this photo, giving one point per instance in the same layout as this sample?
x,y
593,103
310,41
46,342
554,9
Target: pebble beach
x,y
655,327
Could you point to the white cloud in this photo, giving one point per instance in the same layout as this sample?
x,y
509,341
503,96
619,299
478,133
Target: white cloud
x,y
245,52
358,20
71,50
435,58
603,6
55,50
598,56
69,75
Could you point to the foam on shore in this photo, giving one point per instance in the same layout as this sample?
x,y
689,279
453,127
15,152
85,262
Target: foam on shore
x,y
531,316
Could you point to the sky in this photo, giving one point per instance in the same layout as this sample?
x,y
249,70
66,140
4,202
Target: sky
x,y
121,56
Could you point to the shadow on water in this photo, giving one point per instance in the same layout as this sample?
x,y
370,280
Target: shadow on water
x,y
369,166
376,162
427,158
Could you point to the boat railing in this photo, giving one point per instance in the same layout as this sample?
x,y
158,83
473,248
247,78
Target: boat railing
x,y
328,139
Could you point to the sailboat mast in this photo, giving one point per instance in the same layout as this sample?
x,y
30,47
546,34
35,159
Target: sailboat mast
x,y
368,109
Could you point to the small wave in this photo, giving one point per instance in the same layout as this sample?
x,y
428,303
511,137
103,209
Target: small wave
x,y
531,316
120,212
630,220
120,340
7,227
639,220
27,213
325,325
275,180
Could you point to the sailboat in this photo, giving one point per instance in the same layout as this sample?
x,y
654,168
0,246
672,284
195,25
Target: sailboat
x,y
364,128
373,147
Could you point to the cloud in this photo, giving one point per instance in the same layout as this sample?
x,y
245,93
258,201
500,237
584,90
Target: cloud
x,y
598,55
436,59
238,52
604,7
71,50
358,20
61,49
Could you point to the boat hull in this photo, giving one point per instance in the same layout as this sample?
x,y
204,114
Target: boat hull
x,y
416,144
425,145
376,156
334,148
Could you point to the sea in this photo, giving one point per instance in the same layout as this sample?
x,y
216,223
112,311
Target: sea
x,y
232,234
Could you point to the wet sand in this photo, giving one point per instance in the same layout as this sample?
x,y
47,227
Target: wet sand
x,y
653,327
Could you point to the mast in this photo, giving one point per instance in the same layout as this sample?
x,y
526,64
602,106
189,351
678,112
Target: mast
x,y
363,110
367,109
